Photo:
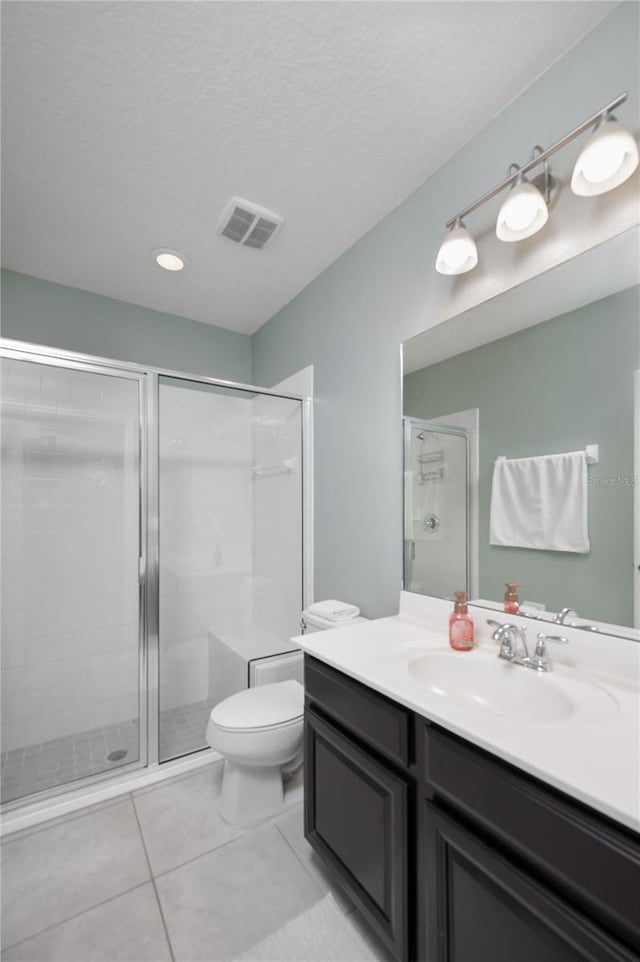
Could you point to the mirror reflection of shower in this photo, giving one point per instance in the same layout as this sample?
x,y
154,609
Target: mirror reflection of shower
x,y
436,508
430,462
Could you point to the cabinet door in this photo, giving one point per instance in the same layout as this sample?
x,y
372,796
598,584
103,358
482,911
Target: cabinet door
x,y
479,907
356,820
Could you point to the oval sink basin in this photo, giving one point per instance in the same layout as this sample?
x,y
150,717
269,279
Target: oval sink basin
x,y
488,684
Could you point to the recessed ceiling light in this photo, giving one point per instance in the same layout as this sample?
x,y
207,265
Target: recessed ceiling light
x,y
168,259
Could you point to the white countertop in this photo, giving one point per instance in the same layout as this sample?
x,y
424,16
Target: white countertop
x,y
593,759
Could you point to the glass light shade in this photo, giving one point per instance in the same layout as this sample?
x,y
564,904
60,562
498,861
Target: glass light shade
x,y
608,158
523,213
458,252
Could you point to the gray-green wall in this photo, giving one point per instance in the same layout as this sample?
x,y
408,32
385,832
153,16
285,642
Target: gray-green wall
x,y
65,317
554,387
350,321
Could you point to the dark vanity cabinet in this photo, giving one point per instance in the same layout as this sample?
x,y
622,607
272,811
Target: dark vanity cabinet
x,y
451,854
358,797
511,869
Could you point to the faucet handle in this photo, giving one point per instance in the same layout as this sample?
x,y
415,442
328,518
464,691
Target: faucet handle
x,y
541,650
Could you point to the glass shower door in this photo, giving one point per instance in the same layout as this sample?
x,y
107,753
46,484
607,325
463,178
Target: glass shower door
x,y
230,564
71,518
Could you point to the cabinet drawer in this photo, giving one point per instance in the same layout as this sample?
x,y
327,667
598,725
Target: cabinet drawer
x,y
356,818
375,719
586,857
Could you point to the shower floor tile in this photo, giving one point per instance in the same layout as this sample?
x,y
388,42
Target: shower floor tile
x,y
36,768
182,729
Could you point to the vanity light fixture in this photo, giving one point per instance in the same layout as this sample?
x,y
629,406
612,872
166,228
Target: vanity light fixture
x,y
526,210
168,259
458,252
609,157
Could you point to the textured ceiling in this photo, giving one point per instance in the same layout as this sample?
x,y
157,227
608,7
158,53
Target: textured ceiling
x,y
127,126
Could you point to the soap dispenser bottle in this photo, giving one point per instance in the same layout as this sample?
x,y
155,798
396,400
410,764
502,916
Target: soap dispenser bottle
x,y
461,624
511,600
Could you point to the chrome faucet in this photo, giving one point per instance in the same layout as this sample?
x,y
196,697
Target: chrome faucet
x,y
509,635
562,616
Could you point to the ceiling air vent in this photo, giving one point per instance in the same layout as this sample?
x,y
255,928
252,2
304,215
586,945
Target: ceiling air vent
x,y
247,223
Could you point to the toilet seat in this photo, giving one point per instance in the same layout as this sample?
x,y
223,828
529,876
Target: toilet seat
x,y
279,705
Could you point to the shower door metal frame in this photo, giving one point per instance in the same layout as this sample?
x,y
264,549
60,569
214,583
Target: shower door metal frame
x,y
153,529
149,560
47,357
433,427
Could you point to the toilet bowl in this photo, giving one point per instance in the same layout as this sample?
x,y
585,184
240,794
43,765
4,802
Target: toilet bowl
x,y
259,732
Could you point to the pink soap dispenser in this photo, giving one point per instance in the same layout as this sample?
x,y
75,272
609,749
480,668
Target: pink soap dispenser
x,y
461,624
511,600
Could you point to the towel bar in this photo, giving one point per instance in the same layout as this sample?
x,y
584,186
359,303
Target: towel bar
x,y
592,452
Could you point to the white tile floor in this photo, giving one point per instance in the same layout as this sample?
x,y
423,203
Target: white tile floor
x,y
158,875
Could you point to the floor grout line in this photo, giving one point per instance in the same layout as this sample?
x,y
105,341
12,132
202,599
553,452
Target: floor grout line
x,y
351,907
216,848
246,831
153,881
76,915
300,862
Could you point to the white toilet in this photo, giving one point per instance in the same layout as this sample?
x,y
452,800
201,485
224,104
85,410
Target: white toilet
x,y
259,732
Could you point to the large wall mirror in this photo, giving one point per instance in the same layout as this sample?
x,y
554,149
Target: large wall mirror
x,y
521,427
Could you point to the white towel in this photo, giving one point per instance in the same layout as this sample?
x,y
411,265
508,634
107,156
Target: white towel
x,y
541,503
334,610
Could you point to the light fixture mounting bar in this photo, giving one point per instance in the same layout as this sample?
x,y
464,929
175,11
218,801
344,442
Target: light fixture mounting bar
x,y
540,158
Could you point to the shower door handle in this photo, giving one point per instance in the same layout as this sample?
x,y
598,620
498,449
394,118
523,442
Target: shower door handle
x,y
142,570
431,523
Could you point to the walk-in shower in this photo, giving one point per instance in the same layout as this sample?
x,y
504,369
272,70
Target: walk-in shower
x,y
152,529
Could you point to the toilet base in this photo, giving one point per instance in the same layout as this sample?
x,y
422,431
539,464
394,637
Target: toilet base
x,y
250,793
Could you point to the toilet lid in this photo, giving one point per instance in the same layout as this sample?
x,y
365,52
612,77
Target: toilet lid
x,y
261,707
